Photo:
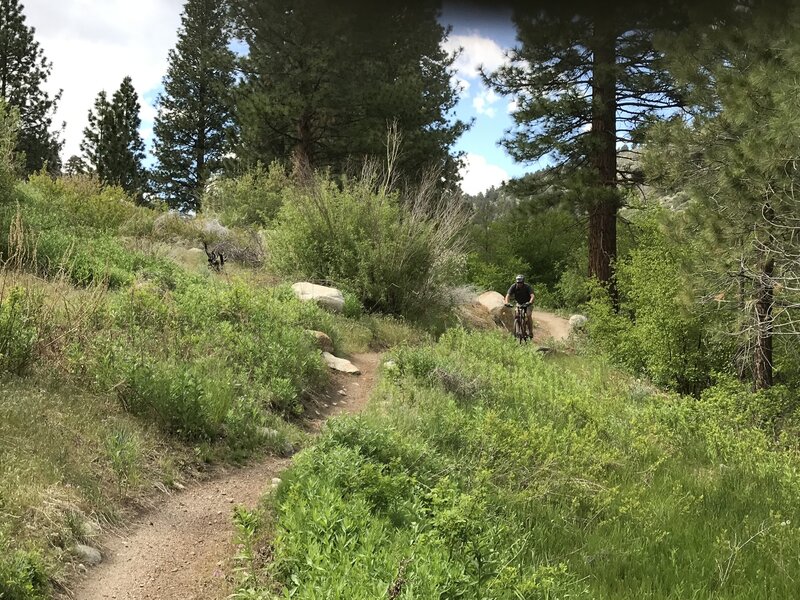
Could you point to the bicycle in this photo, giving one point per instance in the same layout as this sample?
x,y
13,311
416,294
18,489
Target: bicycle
x,y
521,331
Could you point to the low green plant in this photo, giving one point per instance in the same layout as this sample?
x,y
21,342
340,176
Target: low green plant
x,y
483,470
18,329
123,448
22,575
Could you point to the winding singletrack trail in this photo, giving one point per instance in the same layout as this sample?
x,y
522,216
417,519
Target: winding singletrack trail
x,y
182,548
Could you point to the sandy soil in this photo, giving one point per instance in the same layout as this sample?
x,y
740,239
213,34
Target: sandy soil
x,y
547,326
182,548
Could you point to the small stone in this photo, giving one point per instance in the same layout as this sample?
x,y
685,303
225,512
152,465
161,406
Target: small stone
x,y
87,554
322,340
577,322
178,485
276,480
342,393
340,364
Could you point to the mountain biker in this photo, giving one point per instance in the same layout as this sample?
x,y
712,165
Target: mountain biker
x,y
523,294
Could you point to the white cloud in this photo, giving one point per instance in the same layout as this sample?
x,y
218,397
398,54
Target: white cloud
x,y
476,51
477,175
513,106
93,45
483,102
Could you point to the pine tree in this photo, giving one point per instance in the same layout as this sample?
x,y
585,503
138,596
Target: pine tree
x,y
325,81
97,136
75,165
112,144
128,147
195,109
23,71
737,157
586,79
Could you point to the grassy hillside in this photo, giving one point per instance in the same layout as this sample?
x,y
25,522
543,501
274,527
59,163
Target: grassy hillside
x,y
484,470
126,365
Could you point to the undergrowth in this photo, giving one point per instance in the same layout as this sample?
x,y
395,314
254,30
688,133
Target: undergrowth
x,y
486,471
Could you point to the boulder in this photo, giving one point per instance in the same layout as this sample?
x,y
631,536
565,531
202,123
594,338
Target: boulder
x,y
88,555
322,340
340,364
495,305
577,322
327,297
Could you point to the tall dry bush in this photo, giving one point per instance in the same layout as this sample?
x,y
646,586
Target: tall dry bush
x,y
395,247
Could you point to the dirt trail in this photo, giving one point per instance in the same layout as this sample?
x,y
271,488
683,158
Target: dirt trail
x,y
182,548
548,326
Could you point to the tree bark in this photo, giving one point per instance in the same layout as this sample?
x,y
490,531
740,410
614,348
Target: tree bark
x,y
304,148
603,158
762,361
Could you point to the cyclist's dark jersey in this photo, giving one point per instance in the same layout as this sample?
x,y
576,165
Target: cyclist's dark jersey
x,y
522,293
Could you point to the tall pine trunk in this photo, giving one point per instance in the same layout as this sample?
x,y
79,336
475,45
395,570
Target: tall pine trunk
x,y
304,148
603,157
762,361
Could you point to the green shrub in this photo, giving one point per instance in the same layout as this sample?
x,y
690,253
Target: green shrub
x,y
22,575
82,201
394,256
572,290
187,402
660,330
18,329
352,307
496,275
251,199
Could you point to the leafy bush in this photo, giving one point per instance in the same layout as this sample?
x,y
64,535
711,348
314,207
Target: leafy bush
x,y
660,330
496,275
252,199
395,255
18,329
82,201
22,575
202,359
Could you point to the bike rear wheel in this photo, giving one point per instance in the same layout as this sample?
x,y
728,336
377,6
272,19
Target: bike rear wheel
x,y
519,330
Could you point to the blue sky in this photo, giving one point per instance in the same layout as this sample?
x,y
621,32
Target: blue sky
x,y
483,37
94,44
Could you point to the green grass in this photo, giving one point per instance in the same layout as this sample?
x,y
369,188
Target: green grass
x,y
486,471
120,371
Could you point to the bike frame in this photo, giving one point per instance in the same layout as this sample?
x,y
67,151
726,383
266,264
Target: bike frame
x,y
521,324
